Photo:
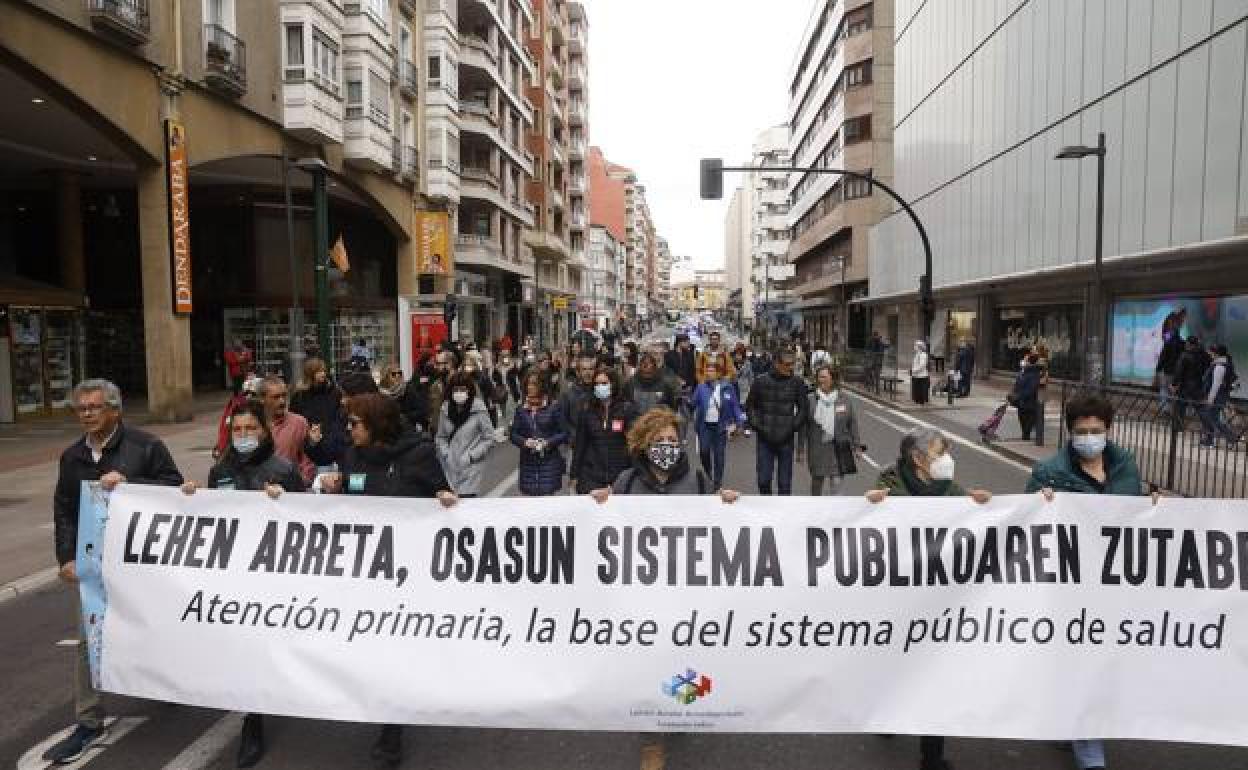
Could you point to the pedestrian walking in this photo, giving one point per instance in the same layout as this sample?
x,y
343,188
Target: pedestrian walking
x,y
577,394
652,386
414,403
1172,345
290,430
1220,379
1025,395
1189,378
538,430
465,435
777,410
715,352
600,449
717,417
238,363
392,384
964,365
924,468
111,453
1089,464
920,376
319,401
251,464
501,377
386,461
831,439
875,360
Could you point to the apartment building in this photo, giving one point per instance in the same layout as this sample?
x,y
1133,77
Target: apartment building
x,y
605,265
124,114
985,104
840,116
738,272
618,203
577,146
765,223
477,119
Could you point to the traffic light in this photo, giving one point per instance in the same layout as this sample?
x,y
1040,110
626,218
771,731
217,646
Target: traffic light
x,y
712,179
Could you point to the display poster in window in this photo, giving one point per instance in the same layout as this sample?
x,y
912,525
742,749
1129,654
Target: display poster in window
x,y
433,243
429,331
179,215
1137,339
1058,328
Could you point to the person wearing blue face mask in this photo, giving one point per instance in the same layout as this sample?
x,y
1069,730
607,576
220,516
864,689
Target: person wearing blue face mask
x,y
250,464
1089,464
601,429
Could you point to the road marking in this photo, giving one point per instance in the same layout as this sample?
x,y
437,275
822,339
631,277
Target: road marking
x,y
502,487
952,436
870,462
209,746
67,643
30,583
117,729
902,429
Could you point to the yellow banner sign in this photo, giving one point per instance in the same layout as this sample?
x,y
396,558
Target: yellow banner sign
x,y
433,243
179,215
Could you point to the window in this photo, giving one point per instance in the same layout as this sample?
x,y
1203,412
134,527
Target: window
x,y
378,99
857,129
857,188
858,74
355,94
380,10
220,13
325,61
294,72
858,21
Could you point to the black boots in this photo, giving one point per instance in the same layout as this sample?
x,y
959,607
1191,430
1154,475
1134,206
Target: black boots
x,y
388,750
251,741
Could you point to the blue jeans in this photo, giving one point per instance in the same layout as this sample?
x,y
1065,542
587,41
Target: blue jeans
x,y
767,459
1089,753
712,438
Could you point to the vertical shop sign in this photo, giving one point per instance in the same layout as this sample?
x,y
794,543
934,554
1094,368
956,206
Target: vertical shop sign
x,y
179,215
433,243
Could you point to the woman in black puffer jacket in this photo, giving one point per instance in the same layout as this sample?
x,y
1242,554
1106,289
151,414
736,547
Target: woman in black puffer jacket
x,y
602,425
250,464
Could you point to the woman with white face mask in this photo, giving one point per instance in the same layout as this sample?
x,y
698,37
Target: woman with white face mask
x,y
465,434
925,469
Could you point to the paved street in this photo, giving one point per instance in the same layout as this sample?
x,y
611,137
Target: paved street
x,y
36,671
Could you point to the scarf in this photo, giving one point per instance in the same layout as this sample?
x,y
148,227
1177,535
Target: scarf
x,y
458,414
916,486
825,414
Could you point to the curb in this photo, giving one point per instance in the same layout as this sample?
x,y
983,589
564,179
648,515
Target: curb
x,y
29,584
1006,452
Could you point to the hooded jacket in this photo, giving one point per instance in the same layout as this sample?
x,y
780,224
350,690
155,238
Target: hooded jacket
x,y
407,468
463,451
139,456
253,472
641,480
1061,473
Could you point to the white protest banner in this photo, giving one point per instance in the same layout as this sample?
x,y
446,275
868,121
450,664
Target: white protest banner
x,y
1086,617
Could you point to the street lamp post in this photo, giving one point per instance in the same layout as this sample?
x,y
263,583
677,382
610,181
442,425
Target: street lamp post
x,y
296,353
712,188
1094,342
318,169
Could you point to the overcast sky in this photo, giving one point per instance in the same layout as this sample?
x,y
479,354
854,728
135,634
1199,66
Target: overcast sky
x,y
673,81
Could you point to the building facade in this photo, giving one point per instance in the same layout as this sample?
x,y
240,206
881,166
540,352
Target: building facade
x,y
477,120
705,291
840,116
127,117
605,265
766,227
985,103
738,270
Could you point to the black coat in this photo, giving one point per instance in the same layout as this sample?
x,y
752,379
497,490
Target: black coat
x,y
407,468
1027,387
1189,374
540,473
322,405
414,403
1171,351
601,451
777,408
683,365
139,456
253,473
661,390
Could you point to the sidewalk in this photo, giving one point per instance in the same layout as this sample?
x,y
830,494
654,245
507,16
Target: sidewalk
x,y
967,414
41,440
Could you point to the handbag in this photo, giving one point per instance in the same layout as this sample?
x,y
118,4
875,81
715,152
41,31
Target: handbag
x,y
845,457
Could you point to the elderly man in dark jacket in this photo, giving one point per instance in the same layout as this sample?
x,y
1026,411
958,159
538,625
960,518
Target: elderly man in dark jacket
x,y
110,453
777,409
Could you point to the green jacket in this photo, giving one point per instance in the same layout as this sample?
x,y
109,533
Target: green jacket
x,y
1122,476
890,479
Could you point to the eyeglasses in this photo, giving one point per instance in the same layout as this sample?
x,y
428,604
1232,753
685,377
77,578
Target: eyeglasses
x,y
90,408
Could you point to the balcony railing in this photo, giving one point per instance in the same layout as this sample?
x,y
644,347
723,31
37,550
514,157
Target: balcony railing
x,y
396,155
127,19
408,82
225,60
439,163
410,161
478,108
483,175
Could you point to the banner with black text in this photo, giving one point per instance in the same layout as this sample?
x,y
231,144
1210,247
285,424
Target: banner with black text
x,y
1087,617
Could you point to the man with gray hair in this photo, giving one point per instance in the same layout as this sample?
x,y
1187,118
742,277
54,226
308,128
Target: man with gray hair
x,y
111,453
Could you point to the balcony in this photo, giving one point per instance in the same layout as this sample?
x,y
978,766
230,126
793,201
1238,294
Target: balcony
x,y
443,180
481,175
576,37
577,149
479,109
368,142
578,220
482,47
127,20
576,112
485,251
225,61
556,197
774,197
576,186
576,76
546,245
408,83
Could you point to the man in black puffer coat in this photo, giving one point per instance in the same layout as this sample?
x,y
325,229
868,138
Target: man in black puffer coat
x,y
777,410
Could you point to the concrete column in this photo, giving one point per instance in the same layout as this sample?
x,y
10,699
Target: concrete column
x,y
405,262
69,243
167,337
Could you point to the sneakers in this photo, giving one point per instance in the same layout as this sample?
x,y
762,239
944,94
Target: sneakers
x,y
251,741
388,750
81,739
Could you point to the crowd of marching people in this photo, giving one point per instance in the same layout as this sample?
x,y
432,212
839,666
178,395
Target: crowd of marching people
x,y
596,420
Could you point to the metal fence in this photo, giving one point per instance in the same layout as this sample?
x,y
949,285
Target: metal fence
x,y
1168,445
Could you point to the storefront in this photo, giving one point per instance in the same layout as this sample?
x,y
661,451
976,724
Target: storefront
x,y
1059,328
45,351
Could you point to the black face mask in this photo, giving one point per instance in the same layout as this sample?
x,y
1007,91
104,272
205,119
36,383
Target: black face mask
x,y
664,455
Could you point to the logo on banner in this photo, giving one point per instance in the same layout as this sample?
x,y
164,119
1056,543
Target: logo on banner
x,y
688,687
